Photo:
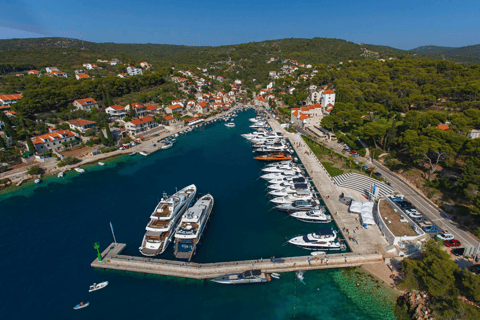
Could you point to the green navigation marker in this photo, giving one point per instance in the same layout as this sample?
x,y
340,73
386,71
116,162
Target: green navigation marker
x,y
96,245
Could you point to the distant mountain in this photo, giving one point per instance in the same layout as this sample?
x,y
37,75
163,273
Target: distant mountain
x,y
470,51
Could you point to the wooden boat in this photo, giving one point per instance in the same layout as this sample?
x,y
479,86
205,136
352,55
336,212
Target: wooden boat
x,y
274,157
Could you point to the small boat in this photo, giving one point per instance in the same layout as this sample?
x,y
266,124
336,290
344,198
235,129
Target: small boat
x,y
230,124
81,305
251,276
318,253
275,275
312,216
167,145
61,174
38,181
98,286
143,153
133,153
101,163
80,170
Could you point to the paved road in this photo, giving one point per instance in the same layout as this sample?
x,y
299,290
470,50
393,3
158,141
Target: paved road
x,y
432,212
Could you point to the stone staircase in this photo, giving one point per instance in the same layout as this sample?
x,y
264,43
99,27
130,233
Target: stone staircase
x,y
361,184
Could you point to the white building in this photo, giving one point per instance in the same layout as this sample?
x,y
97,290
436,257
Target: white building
x,y
85,104
328,97
134,71
140,125
116,111
52,141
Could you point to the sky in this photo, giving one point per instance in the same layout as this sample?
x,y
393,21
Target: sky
x,y
400,24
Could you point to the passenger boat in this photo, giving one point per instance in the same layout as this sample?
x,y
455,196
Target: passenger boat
x,y
81,305
98,286
325,239
190,228
247,277
298,206
312,216
164,219
280,156
79,170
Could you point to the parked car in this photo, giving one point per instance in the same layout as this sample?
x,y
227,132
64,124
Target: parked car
x,y
412,213
458,251
475,268
431,229
445,236
377,174
452,243
420,219
366,168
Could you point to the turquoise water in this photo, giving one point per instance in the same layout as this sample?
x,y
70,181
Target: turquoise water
x,y
48,230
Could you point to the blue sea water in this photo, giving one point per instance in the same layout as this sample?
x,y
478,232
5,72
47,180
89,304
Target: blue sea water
x,y
47,232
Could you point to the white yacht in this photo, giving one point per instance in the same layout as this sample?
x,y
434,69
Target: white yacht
x,y
230,124
280,168
285,179
312,216
98,286
259,125
298,206
292,197
280,163
255,120
325,239
289,189
283,174
190,228
247,277
164,219
80,170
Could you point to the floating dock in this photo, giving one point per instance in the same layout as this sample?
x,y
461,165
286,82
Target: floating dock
x,y
113,259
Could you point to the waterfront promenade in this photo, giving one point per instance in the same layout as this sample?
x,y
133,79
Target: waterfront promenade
x,y
112,259
366,241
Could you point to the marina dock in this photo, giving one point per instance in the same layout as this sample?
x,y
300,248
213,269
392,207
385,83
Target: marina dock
x,y
114,260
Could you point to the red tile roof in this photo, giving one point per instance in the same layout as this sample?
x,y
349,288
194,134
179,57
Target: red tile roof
x,y
137,105
202,104
82,76
175,106
10,97
169,117
48,137
328,92
192,119
85,101
117,107
304,116
80,122
139,121
151,108
443,127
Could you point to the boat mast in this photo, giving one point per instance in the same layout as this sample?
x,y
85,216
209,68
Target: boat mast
x,y
113,234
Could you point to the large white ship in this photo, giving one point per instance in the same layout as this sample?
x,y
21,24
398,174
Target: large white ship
x,y
190,228
164,219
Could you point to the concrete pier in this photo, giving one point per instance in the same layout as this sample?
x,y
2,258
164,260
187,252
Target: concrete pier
x,y
113,259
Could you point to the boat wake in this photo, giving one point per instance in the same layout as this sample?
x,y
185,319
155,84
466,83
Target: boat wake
x,y
300,276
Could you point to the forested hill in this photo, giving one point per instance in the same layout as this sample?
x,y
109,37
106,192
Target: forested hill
x,y
468,51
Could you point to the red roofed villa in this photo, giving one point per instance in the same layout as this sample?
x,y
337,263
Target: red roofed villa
x,y
140,125
52,141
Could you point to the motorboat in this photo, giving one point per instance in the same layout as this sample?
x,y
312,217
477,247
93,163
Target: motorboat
x,y
298,206
283,174
275,275
98,286
81,305
283,149
312,216
143,153
133,153
280,156
284,179
255,120
317,253
284,162
287,183
164,219
191,226
167,145
259,125
37,181
80,170
247,277
101,164
289,189
230,124
61,174
325,239
292,197
280,168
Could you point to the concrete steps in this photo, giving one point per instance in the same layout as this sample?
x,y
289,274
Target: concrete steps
x,y
361,183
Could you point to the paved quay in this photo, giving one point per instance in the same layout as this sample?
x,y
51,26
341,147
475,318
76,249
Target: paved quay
x,y
366,240
113,259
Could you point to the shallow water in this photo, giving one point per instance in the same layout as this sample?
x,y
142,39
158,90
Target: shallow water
x,y
48,230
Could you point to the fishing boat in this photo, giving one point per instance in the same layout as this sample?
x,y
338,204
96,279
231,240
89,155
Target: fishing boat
x,y
190,228
247,277
143,153
312,216
280,156
325,239
230,124
98,286
61,174
101,163
164,219
81,305
80,170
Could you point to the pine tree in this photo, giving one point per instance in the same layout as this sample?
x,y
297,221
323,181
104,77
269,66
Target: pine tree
x,y
2,143
109,99
30,145
109,135
102,138
132,112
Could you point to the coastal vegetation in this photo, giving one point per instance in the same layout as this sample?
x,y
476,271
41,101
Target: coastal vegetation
x,y
445,283
34,170
68,161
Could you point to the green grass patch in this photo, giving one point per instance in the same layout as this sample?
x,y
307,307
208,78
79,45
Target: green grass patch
x,y
331,169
